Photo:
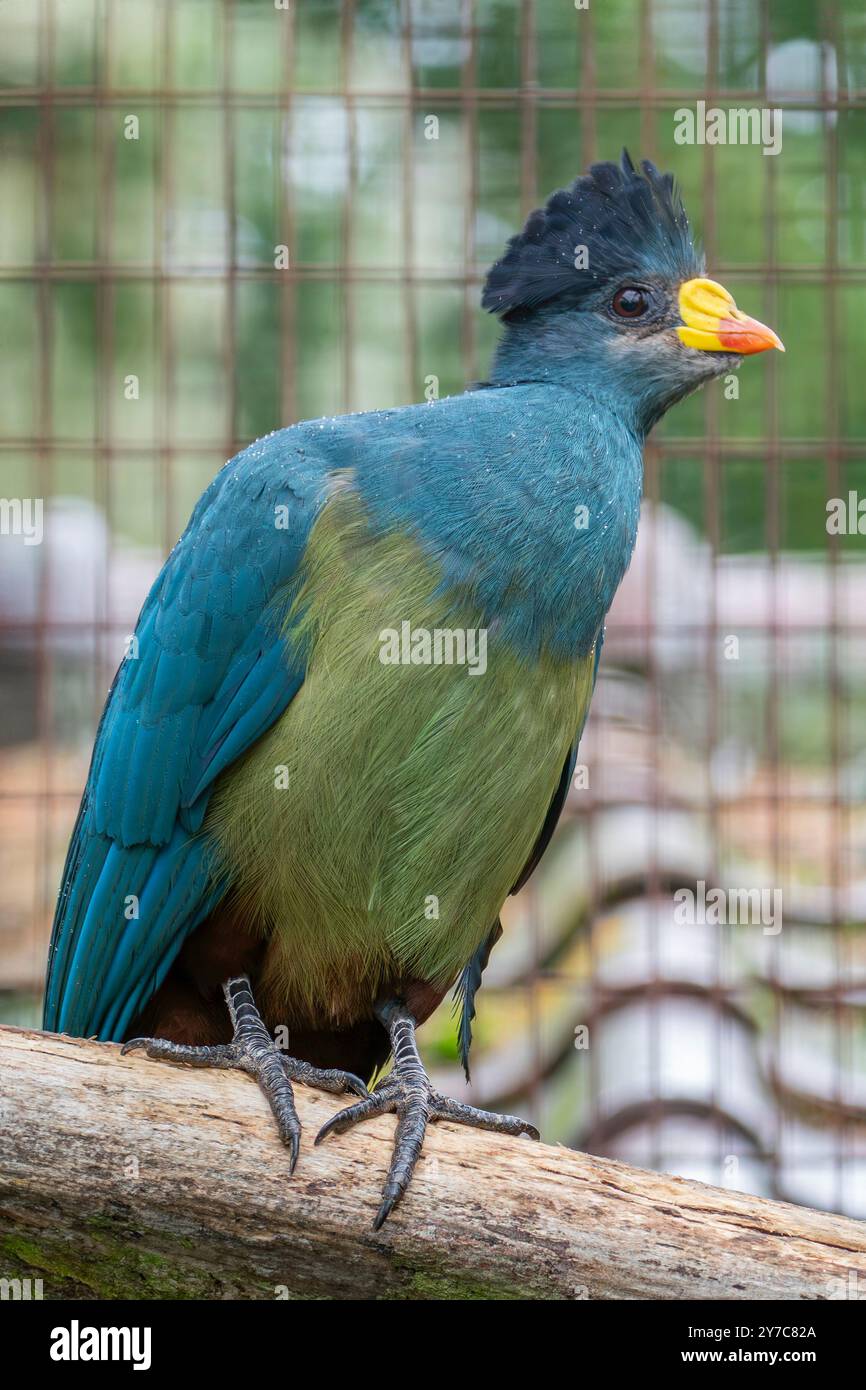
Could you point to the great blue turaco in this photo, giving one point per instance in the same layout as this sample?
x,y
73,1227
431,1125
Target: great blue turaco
x,y
317,835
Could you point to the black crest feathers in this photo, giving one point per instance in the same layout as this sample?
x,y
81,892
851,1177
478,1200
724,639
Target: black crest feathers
x,y
611,223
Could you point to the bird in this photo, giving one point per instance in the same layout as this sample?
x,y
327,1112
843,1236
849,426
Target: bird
x,y
347,723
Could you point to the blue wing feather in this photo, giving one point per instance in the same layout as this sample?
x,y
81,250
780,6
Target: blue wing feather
x,y
207,675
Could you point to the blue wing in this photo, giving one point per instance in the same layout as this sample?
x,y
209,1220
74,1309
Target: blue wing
x,y
206,675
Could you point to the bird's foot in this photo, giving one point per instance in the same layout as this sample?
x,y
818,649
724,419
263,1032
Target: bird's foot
x,y
407,1092
253,1050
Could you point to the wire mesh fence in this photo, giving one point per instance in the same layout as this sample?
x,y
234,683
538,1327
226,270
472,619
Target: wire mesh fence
x,y
221,218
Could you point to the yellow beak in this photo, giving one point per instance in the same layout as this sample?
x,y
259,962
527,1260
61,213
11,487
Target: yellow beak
x,y
712,322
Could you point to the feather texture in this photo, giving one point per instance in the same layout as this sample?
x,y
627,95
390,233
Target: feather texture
x,y
405,798
625,221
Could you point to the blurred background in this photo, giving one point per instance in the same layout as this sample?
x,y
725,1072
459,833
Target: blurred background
x,y
218,218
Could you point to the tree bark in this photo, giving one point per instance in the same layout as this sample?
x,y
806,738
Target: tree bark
x,y
126,1178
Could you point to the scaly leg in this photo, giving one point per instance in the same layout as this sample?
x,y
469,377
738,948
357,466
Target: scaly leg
x,y
407,1092
253,1050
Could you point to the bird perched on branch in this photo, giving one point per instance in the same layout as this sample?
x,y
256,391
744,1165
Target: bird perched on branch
x,y
346,727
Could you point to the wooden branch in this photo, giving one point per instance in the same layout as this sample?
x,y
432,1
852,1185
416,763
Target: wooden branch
x,y
126,1178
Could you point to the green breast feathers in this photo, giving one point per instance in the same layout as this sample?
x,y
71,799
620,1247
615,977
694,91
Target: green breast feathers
x,y
377,828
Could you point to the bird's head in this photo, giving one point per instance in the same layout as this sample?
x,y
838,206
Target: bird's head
x,y
605,288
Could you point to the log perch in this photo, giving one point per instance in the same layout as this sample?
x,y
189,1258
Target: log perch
x,y
126,1178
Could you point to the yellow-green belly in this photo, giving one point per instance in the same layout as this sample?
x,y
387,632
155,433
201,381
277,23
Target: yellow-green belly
x,y
375,831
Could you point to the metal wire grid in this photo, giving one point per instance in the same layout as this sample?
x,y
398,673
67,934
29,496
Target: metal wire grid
x,y
588,97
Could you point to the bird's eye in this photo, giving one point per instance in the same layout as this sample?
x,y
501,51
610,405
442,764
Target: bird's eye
x,y
630,302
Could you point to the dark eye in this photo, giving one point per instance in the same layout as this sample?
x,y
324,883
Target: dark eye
x,y
630,302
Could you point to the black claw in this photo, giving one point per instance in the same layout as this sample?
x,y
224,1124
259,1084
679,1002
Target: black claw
x,y
344,1119
356,1085
329,1126
294,1149
133,1044
384,1212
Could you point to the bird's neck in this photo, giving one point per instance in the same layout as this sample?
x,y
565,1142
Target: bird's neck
x,y
544,357
555,520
